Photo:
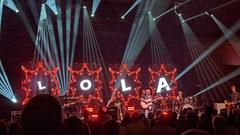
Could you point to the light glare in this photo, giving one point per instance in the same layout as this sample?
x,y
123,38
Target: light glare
x,y
14,100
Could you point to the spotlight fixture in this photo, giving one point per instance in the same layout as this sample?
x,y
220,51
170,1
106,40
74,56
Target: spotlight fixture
x,y
56,13
17,11
154,19
84,7
183,21
209,13
149,12
14,100
123,17
176,10
175,6
92,15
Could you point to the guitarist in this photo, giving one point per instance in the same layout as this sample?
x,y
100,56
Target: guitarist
x,y
235,96
234,99
146,102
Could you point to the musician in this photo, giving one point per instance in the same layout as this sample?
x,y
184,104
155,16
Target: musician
x,y
66,97
146,102
95,102
235,96
179,101
180,98
117,101
147,94
143,93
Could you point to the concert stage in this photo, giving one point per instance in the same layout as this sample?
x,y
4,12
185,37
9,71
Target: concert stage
x,y
120,56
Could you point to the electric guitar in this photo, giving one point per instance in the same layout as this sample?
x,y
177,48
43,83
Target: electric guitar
x,y
230,105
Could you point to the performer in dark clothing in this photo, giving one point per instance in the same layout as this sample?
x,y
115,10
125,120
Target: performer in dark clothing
x,y
117,101
147,102
235,96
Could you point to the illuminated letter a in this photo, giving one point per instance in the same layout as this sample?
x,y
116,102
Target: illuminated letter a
x,y
162,84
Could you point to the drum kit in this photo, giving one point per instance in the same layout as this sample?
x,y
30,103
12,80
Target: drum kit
x,y
77,106
189,102
172,104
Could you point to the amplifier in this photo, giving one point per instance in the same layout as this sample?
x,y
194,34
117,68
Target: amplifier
x,y
15,116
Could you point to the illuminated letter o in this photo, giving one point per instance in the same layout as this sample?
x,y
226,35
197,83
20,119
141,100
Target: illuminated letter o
x,y
87,86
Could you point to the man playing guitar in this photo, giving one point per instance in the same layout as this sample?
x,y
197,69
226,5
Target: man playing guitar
x,y
147,102
234,99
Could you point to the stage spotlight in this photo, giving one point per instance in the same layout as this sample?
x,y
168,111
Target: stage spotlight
x,y
209,12
132,7
149,12
95,5
56,13
154,19
14,100
84,7
179,14
183,21
123,17
175,6
52,5
92,15
17,11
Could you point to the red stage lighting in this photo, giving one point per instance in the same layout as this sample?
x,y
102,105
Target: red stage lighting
x,y
89,109
130,108
165,113
94,116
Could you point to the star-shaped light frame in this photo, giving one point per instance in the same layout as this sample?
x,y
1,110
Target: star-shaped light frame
x,y
125,71
165,71
28,79
94,74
